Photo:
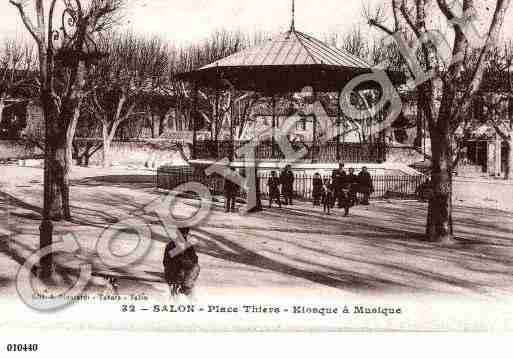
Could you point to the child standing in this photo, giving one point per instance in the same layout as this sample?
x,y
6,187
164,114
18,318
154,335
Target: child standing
x,y
327,195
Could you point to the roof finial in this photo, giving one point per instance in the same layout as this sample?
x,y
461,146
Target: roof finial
x,y
292,28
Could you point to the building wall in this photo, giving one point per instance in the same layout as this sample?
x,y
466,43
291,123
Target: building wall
x,y
142,154
325,125
487,154
13,150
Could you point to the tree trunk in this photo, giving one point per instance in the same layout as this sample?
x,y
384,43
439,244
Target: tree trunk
x,y
55,163
61,208
106,149
87,155
2,106
108,136
438,227
419,138
155,125
509,162
68,121
67,167
164,123
66,171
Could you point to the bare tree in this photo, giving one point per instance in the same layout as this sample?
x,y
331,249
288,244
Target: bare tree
x,y
86,142
242,109
377,53
355,43
158,106
214,106
17,73
445,96
499,99
72,52
133,70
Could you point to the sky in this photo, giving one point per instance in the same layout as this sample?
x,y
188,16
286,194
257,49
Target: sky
x,y
187,21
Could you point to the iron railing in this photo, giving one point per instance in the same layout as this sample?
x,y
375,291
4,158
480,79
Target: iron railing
x,y
385,186
315,152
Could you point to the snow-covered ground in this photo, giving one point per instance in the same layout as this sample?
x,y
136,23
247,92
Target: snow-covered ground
x,y
377,249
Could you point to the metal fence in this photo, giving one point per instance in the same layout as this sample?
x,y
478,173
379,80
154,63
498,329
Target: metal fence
x,y
315,152
385,186
399,186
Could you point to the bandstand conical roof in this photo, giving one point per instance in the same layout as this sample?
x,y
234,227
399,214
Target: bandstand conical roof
x,y
292,48
286,63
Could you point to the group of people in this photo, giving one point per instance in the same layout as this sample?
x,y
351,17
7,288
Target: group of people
x,y
342,189
286,181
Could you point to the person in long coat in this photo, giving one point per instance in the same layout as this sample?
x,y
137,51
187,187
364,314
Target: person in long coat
x,y
274,189
354,186
231,191
340,186
317,189
327,195
366,185
287,184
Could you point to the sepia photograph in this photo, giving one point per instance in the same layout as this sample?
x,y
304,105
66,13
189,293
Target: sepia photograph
x,y
256,166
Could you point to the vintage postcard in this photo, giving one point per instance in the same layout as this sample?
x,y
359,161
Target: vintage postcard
x,y
185,166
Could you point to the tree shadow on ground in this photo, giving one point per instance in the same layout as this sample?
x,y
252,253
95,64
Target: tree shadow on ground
x,y
67,270
220,247
80,215
125,181
8,200
407,272
92,217
466,254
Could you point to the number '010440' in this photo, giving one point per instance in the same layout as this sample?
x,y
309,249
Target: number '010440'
x,y
22,347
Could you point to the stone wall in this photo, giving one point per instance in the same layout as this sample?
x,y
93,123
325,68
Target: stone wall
x,y
17,149
144,153
404,155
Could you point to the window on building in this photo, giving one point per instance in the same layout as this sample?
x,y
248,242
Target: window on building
x,y
301,125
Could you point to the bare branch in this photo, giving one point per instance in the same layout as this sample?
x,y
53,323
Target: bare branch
x,y
446,10
408,18
491,40
26,20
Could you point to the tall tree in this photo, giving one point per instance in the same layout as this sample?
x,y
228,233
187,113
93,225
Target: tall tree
x,y
241,112
375,52
71,51
17,73
499,99
86,142
133,69
445,94
214,106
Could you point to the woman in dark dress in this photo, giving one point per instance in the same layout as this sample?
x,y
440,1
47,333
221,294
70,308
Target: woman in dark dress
x,y
366,185
317,189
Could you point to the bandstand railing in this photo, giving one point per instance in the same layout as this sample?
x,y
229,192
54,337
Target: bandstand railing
x,y
327,152
385,186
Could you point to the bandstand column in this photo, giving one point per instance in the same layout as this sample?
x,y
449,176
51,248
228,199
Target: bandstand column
x,y
273,132
232,114
338,125
194,125
314,137
217,130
